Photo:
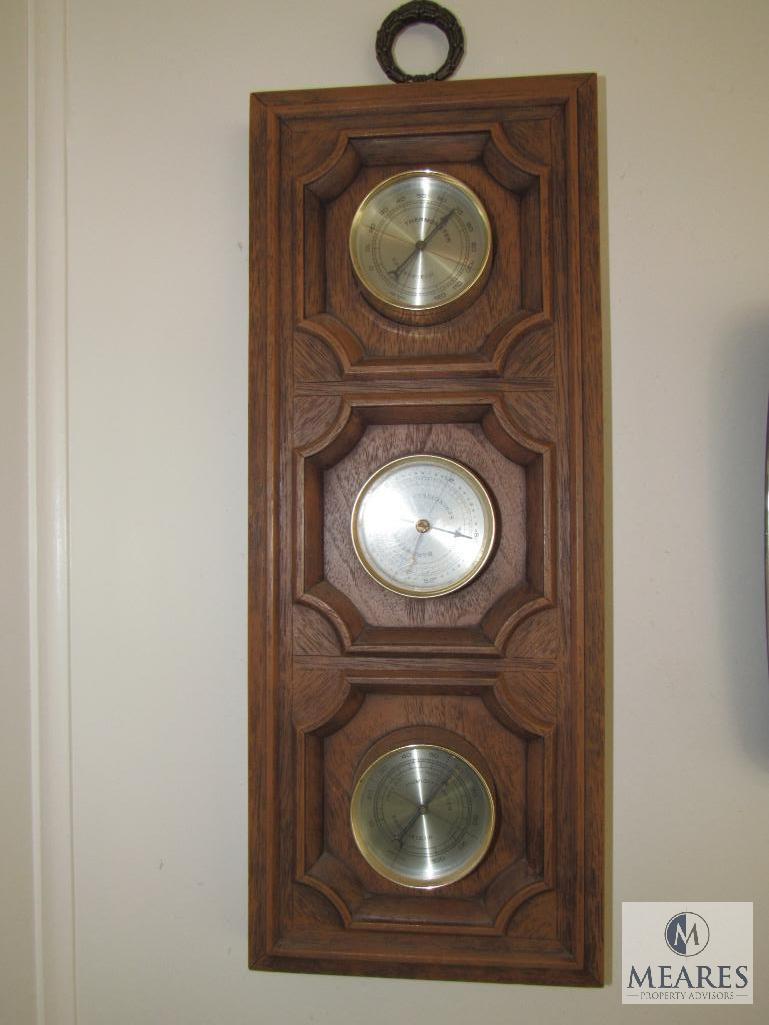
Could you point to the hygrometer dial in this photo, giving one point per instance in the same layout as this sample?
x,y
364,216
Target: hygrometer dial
x,y
423,525
422,815
420,244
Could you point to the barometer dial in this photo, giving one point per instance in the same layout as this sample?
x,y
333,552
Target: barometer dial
x,y
423,526
422,815
420,244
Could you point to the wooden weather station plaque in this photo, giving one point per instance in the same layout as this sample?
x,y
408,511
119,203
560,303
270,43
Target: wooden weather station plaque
x,y
426,578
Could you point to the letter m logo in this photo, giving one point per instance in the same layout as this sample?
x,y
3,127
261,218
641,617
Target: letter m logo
x,y
682,934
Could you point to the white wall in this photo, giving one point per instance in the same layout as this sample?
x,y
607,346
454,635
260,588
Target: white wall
x,y
17,961
156,341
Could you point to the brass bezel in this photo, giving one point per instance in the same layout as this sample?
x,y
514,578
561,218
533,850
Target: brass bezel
x,y
489,515
416,312
386,871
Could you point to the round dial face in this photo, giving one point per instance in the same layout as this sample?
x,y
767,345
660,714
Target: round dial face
x,y
420,241
423,526
422,815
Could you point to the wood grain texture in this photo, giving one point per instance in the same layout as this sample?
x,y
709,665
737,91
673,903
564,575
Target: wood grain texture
x,y
508,670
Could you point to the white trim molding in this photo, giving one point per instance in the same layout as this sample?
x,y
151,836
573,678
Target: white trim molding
x,y
49,549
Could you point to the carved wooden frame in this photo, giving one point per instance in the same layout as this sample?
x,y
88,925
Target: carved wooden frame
x,y
494,627
517,378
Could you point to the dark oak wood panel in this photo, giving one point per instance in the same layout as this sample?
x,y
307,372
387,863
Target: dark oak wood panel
x,y
507,671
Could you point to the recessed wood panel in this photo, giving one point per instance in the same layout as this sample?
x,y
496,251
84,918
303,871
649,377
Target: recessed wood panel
x,y
384,338
506,671
465,443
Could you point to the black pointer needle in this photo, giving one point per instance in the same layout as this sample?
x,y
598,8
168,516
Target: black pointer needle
x,y
421,810
397,272
402,835
421,244
443,530
437,789
436,229
454,533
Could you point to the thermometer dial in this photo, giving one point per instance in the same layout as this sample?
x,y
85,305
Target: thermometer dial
x,y
420,244
422,815
423,526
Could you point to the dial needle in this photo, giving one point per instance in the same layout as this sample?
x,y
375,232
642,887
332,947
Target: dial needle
x,y
454,533
402,835
443,530
436,790
421,244
437,228
396,272
422,809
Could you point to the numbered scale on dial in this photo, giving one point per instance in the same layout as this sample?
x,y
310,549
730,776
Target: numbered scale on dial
x,y
422,815
420,245
423,526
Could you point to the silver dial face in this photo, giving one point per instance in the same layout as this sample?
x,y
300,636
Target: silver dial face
x,y
423,526
420,240
422,815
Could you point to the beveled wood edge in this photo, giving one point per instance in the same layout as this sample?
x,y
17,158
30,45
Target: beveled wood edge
x,y
593,518
555,969
262,530
487,361
463,93
343,705
355,918
499,622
